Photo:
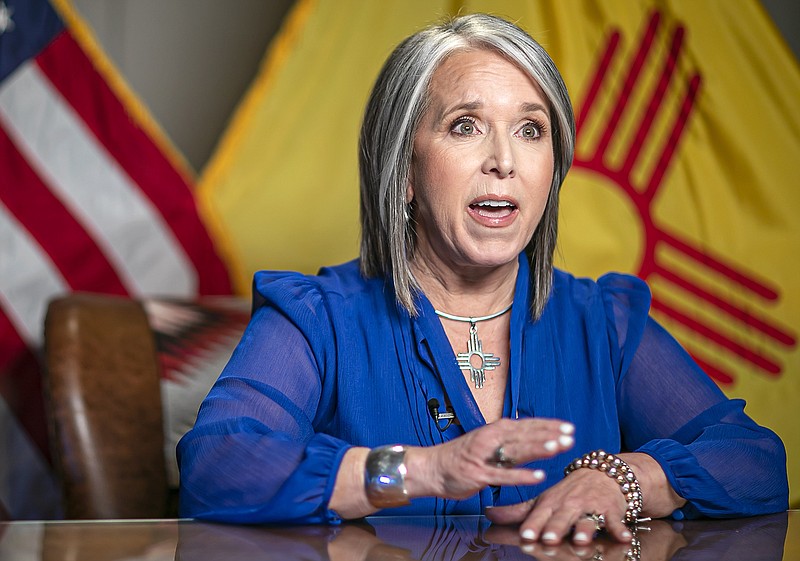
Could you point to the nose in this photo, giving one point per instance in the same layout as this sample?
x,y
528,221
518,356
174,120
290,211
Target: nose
x,y
499,156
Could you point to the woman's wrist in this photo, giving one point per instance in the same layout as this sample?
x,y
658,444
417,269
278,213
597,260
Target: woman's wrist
x,y
395,474
420,480
617,470
349,499
660,498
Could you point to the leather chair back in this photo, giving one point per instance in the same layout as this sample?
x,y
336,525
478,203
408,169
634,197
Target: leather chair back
x,y
105,413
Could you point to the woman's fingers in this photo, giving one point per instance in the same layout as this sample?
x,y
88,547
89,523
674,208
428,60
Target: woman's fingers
x,y
510,514
532,528
524,440
554,527
573,509
617,529
559,525
514,476
488,456
584,530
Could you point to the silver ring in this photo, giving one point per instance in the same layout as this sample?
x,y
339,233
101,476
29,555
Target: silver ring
x,y
598,519
500,459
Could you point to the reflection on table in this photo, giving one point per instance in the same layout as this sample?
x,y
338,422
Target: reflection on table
x,y
775,537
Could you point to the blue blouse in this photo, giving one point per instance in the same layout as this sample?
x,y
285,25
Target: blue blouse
x,y
332,361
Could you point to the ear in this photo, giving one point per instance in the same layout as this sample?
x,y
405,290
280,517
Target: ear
x,y
410,186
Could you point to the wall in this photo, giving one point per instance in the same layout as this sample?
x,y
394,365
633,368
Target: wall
x,y
190,61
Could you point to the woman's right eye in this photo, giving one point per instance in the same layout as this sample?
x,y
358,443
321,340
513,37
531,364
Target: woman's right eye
x,y
464,126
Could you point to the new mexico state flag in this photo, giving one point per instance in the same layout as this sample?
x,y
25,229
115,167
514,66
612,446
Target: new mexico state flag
x,y
688,136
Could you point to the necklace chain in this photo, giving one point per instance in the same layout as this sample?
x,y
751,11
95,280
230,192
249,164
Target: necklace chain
x,y
473,319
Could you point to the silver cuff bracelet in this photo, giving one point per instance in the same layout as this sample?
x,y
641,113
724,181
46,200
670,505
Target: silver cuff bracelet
x,y
384,477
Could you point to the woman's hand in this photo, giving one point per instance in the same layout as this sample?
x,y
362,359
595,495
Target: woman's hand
x,y
463,466
551,516
563,509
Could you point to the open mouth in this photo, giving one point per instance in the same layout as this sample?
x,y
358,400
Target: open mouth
x,y
493,208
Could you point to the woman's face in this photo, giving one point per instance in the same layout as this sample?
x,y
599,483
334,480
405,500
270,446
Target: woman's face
x,y
482,163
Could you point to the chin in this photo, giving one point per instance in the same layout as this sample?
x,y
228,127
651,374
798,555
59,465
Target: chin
x,y
492,258
494,250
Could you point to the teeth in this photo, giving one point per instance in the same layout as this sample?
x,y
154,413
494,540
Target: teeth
x,y
494,204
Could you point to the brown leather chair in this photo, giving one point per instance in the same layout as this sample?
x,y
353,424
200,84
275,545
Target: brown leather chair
x,y
103,393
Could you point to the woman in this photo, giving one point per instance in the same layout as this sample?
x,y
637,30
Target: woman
x,y
454,339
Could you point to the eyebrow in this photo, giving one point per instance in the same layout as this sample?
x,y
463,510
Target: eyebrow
x,y
468,106
532,107
472,105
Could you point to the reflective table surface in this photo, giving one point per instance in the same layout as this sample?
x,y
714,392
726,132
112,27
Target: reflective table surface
x,y
775,537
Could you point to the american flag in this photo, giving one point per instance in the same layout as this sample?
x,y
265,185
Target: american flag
x,y
92,198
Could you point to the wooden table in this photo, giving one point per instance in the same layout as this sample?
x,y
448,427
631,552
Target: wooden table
x,y
768,538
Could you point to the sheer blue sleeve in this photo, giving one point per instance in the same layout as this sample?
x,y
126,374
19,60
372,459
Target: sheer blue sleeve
x,y
713,454
253,455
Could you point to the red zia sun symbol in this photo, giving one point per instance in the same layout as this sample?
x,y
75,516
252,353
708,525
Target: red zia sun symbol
x,y
640,191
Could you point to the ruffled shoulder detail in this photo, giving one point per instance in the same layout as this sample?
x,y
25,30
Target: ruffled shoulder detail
x,y
626,299
275,286
611,312
298,292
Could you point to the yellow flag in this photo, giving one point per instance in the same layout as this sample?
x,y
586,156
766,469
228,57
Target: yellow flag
x,y
688,132
282,188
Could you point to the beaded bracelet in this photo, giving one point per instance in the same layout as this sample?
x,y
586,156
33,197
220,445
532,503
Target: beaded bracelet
x,y
620,472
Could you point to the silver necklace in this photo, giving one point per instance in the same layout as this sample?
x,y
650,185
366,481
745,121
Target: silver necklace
x,y
484,361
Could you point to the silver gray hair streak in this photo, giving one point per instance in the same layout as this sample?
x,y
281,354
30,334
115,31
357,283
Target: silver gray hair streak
x,y
395,107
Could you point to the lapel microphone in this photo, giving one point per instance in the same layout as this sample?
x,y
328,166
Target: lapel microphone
x,y
448,415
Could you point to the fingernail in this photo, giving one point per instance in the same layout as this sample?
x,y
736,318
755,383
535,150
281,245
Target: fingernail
x,y
527,547
550,445
581,537
549,537
567,428
565,440
528,534
538,474
627,535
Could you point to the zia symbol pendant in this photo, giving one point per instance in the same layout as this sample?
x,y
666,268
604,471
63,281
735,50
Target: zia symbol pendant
x,y
475,360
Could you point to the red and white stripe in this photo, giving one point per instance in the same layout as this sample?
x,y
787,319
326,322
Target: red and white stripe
x,y
88,202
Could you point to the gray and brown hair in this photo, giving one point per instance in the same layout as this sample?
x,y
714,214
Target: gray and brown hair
x,y
395,107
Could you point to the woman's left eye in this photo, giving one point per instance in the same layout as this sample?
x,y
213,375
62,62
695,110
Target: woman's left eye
x,y
530,130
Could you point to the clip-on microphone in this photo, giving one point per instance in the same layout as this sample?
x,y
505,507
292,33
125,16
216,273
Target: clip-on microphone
x,y
448,415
